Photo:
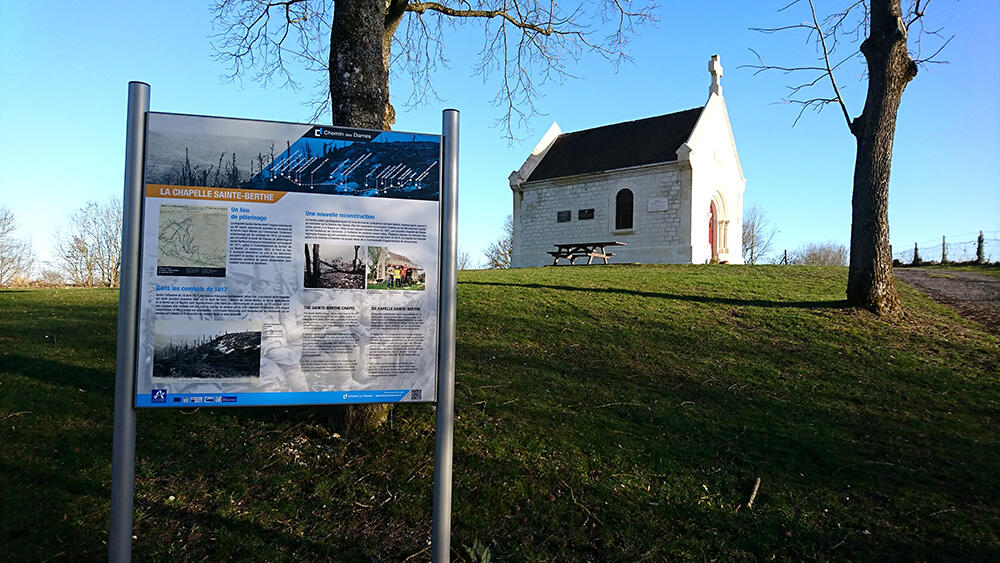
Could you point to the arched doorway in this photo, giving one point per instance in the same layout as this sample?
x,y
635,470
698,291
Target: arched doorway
x,y
713,220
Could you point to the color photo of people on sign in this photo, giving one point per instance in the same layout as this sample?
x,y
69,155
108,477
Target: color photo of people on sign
x,y
392,270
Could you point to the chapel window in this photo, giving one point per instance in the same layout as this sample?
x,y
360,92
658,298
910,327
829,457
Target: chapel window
x,y
623,209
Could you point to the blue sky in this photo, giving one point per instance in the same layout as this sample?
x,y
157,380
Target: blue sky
x,y
66,67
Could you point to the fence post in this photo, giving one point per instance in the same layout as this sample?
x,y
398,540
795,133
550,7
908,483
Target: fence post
x,y
944,251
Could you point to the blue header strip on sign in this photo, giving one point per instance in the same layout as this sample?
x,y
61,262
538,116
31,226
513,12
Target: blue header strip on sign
x,y
161,398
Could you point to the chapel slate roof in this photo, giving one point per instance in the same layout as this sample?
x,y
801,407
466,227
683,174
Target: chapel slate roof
x,y
619,145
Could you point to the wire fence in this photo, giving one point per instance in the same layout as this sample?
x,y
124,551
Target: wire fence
x,y
964,251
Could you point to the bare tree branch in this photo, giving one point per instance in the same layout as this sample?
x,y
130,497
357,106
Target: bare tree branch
x,y
259,39
500,252
829,71
526,43
847,26
820,254
16,256
88,250
758,233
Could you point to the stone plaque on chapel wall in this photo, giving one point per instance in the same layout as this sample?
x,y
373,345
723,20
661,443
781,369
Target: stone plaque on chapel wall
x,y
657,204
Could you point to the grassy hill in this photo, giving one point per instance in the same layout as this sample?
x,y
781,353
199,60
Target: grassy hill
x,y
604,412
990,269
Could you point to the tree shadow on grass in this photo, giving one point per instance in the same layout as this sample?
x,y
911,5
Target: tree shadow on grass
x,y
102,382
289,546
59,373
840,304
48,511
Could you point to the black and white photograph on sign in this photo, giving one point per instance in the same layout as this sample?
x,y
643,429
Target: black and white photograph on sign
x,y
394,271
192,241
197,159
334,266
206,349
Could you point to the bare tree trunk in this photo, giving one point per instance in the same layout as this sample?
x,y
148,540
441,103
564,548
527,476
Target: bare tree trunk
x,y
359,82
309,271
315,268
870,282
360,39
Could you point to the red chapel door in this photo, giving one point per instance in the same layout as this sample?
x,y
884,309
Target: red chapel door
x,y
711,230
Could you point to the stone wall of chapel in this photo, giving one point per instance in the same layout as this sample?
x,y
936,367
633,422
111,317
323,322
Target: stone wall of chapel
x,y
656,236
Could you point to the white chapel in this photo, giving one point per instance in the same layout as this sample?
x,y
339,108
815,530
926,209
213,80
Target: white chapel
x,y
670,187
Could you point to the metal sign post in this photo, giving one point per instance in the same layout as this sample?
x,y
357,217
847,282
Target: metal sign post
x,y
441,526
123,450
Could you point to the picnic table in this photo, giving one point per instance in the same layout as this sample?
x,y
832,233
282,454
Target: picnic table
x,y
590,250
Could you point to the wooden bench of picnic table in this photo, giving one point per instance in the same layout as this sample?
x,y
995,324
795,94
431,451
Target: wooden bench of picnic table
x,y
590,250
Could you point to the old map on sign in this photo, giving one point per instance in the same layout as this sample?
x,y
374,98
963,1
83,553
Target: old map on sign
x,y
192,241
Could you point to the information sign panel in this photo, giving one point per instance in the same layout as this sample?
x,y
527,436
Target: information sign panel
x,y
287,264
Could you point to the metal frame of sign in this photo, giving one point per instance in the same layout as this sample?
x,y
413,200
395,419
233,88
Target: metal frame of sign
x,y
129,356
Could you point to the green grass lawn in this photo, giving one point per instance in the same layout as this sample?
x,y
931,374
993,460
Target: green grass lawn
x,y
988,269
603,412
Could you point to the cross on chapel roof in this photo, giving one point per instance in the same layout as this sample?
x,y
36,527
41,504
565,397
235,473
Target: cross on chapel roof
x,y
715,67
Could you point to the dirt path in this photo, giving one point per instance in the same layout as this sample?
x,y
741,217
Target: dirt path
x,y
975,296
